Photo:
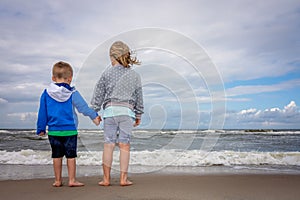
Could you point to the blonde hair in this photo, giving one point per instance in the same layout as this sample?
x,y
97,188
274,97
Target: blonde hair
x,y
62,70
122,54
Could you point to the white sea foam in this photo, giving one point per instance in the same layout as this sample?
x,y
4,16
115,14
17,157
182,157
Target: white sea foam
x,y
162,158
25,157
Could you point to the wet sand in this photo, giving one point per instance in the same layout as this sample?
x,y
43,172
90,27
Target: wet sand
x,y
162,187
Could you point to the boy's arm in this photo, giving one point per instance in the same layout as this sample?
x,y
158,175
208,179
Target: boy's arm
x,y
82,107
42,116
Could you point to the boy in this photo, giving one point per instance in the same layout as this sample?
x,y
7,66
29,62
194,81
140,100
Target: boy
x,y
57,111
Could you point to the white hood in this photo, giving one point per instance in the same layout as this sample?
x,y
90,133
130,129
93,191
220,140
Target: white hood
x,y
60,94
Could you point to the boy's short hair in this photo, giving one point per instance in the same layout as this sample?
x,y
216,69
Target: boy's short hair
x,y
62,70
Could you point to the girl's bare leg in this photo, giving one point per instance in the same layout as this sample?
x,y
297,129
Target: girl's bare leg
x,y
107,158
124,163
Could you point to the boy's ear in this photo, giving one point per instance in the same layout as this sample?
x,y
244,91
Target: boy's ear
x,y
70,79
53,79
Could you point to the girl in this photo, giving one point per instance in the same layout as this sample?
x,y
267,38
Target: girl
x,y
119,92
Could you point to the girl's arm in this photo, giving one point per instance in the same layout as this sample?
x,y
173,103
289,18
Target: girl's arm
x,y
99,94
139,104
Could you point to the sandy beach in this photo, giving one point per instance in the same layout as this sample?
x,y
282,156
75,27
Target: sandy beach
x,y
162,187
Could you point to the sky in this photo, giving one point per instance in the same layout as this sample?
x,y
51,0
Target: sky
x,y
205,64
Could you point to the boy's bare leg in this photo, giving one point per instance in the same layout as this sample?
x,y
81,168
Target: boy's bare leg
x,y
57,167
107,158
124,163
71,163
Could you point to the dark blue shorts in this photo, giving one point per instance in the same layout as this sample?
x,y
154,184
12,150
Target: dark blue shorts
x,y
63,146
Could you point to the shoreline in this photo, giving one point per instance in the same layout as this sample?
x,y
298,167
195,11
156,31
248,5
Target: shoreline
x,y
162,186
27,172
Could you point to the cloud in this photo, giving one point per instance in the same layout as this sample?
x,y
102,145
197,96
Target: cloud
x,y
3,101
246,39
19,120
26,116
21,92
287,117
255,89
250,40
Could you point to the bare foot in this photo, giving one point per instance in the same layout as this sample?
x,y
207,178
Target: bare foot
x,y
126,183
76,184
102,183
57,184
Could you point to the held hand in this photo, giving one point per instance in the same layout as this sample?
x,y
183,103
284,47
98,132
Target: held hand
x,y
137,122
97,120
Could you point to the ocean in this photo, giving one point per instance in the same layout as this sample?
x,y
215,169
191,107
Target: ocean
x,y
24,155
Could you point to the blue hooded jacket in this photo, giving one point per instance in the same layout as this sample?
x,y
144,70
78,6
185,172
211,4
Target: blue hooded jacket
x,y
57,110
